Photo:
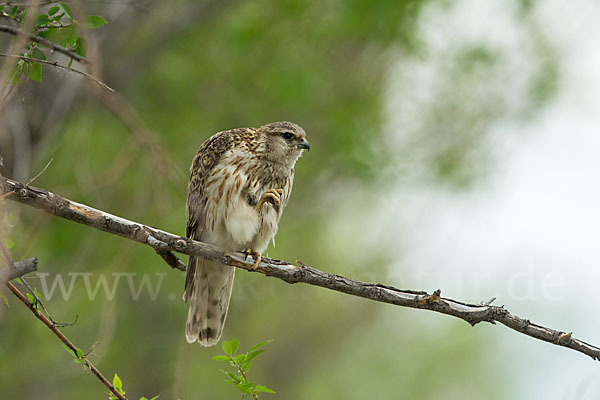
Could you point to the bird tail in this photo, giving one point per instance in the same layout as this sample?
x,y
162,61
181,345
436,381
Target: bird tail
x,y
208,289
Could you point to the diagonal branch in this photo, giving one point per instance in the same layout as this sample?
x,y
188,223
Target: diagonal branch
x,y
165,243
18,32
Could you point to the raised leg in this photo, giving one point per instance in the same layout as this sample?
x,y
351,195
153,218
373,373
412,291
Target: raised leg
x,y
272,196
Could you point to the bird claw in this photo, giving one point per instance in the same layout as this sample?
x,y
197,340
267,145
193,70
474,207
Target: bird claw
x,y
256,255
272,196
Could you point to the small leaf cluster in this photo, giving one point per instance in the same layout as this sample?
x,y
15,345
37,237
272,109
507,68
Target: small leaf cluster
x,y
77,354
118,385
34,299
58,25
3,297
241,363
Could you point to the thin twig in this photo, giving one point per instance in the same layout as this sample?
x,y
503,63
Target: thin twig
x,y
167,242
27,3
29,182
103,85
43,41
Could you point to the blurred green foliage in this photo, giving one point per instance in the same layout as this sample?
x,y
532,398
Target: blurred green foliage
x,y
323,65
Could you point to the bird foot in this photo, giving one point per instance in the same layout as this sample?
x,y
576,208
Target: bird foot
x,y
272,196
256,255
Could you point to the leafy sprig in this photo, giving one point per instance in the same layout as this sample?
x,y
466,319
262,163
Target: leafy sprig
x,y
241,364
118,385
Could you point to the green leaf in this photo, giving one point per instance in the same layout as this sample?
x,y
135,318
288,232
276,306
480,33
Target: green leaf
x,y
53,10
73,354
35,73
42,19
233,376
252,355
38,54
67,349
35,289
81,46
261,388
245,388
30,297
67,9
57,17
13,12
5,299
259,345
245,366
234,346
19,280
230,347
239,358
93,21
79,353
221,358
62,36
117,383
9,243
226,347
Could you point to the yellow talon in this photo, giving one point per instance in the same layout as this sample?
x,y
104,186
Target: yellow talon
x,y
255,254
272,196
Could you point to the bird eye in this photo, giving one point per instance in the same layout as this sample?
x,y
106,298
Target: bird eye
x,y
288,135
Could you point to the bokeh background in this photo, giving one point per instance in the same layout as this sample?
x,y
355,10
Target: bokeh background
x,y
454,146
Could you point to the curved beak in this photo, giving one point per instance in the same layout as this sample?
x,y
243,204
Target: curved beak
x,y
304,145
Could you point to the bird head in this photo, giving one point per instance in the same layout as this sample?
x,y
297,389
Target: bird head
x,y
284,142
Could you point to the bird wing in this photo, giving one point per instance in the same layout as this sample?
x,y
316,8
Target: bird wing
x,y
204,162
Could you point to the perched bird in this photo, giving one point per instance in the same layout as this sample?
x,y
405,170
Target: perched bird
x,y
240,182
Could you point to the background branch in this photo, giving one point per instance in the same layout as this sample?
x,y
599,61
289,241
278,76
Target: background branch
x,y
57,65
45,42
165,242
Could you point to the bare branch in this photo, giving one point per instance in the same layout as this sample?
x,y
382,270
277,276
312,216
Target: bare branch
x,y
164,242
18,269
28,3
43,41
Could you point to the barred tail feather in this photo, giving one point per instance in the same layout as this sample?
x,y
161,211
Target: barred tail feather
x,y
209,292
